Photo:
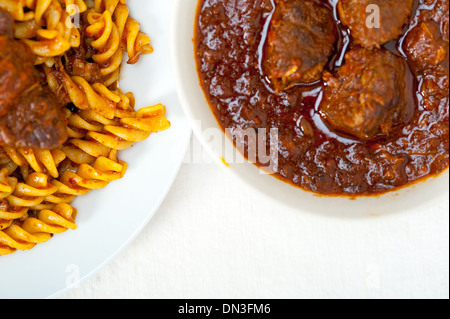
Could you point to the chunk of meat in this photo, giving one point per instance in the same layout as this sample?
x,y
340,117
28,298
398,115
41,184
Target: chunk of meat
x,y
375,22
299,44
29,114
368,96
80,67
425,45
76,62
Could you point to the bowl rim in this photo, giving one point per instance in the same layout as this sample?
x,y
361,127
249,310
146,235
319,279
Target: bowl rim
x,y
435,189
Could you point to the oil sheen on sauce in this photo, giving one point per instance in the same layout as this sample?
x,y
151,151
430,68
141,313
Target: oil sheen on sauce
x,y
230,35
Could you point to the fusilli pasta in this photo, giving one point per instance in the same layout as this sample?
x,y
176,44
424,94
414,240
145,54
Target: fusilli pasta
x,y
79,47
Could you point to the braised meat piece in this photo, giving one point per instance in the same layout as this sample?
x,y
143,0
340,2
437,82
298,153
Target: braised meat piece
x,y
425,45
368,96
29,114
76,65
300,42
375,22
6,22
76,62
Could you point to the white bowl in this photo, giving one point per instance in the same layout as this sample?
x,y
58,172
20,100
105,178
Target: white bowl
x,y
418,196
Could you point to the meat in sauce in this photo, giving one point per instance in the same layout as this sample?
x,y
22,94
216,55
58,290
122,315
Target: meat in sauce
x,y
426,47
299,44
29,114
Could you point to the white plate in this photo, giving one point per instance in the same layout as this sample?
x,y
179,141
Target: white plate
x,y
109,219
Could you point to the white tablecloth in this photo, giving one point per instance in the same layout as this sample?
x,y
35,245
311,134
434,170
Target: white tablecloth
x,y
212,238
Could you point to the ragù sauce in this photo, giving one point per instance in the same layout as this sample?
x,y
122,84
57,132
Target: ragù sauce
x,y
230,35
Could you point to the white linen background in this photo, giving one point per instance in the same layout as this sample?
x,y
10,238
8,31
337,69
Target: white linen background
x,y
215,238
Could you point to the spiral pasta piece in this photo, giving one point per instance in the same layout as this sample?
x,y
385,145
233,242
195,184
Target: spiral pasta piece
x,y
87,178
46,25
104,101
7,213
34,230
107,44
132,40
8,216
81,64
49,44
131,130
32,192
7,184
84,95
17,9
